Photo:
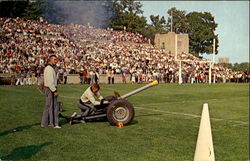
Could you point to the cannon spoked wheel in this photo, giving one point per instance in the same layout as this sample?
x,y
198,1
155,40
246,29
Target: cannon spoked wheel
x,y
120,111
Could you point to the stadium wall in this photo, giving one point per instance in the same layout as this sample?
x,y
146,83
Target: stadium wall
x,y
5,79
75,79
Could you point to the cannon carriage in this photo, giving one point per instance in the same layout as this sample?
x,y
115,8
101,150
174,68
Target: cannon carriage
x,y
119,109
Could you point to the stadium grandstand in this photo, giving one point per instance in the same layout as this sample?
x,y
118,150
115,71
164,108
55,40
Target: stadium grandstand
x,y
26,44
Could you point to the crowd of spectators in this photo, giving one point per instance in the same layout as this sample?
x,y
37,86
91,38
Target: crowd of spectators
x,y
82,49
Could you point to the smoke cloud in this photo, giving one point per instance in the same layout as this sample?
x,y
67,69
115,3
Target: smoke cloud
x,y
95,13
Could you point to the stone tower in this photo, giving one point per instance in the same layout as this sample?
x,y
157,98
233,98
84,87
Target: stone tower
x,y
167,42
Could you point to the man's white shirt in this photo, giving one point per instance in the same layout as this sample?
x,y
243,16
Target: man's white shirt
x,y
89,96
50,78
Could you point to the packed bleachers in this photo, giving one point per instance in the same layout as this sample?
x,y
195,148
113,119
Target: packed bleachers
x,y
25,46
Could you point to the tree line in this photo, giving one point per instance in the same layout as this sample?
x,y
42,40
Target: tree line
x,y
244,66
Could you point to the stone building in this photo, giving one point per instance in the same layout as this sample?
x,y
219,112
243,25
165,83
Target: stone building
x,y
167,42
223,60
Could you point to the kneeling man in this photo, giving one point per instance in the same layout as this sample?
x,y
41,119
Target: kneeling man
x,y
87,103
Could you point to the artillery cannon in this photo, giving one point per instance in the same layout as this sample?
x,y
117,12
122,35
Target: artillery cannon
x,y
118,110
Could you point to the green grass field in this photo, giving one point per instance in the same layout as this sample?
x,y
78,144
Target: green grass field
x,y
165,126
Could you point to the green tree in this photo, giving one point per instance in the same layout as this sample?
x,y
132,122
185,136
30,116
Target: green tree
x,y
131,22
227,65
241,67
23,9
179,21
127,6
199,26
12,8
158,23
126,15
34,10
149,31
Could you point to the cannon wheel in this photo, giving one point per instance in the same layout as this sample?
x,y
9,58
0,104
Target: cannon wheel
x,y
120,111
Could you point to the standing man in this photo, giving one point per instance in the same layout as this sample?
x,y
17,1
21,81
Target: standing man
x,y
108,75
81,77
18,76
113,76
50,113
92,76
84,74
123,77
13,78
61,74
97,77
65,75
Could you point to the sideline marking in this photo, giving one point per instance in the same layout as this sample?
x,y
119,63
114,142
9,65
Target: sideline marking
x,y
238,123
168,112
67,97
192,115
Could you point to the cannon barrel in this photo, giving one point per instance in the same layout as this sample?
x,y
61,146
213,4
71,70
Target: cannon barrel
x,y
154,83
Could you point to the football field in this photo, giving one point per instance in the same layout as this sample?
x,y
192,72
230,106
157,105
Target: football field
x,y
165,126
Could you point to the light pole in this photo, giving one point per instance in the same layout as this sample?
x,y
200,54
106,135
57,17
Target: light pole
x,y
213,57
210,77
213,51
211,64
175,57
180,78
171,21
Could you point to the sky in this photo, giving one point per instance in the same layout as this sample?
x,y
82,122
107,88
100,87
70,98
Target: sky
x,y
232,18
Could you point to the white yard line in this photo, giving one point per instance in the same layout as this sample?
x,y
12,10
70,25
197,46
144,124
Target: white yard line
x,y
164,103
242,116
67,97
168,112
238,123
192,115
